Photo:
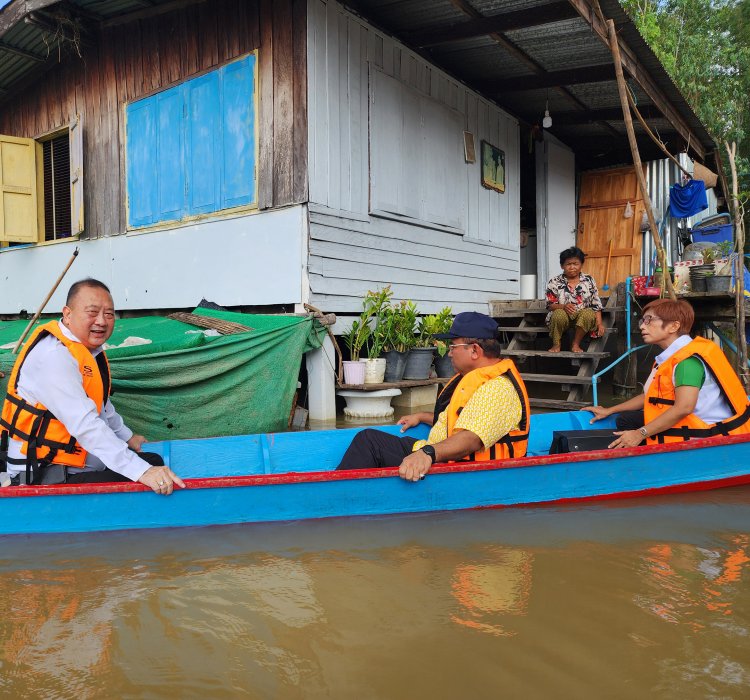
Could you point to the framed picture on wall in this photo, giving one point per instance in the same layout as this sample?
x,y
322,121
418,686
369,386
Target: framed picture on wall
x,y
493,167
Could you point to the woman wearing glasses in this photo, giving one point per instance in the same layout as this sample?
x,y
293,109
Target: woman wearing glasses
x,y
692,390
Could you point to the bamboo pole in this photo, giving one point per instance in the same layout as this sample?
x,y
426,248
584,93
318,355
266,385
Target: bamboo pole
x,y
622,89
739,275
44,303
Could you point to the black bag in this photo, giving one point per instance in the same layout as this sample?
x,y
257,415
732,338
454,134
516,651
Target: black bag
x,y
580,440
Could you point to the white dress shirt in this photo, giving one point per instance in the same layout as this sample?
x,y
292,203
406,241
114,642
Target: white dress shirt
x,y
711,406
50,375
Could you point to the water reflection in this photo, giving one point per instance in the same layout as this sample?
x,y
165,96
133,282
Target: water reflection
x,y
646,597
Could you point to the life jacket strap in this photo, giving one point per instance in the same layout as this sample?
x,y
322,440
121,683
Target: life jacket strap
x,y
721,428
657,401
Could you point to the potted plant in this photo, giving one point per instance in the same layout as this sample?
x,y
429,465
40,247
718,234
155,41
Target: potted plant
x,y
717,283
375,309
443,362
398,334
355,339
419,360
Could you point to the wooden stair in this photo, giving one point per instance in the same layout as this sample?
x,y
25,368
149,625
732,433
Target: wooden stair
x,y
528,342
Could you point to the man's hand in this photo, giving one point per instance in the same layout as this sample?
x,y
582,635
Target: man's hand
x,y
162,480
598,411
570,309
600,330
628,438
415,466
136,442
413,419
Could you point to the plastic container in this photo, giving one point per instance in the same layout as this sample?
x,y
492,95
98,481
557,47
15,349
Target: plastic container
x,y
713,234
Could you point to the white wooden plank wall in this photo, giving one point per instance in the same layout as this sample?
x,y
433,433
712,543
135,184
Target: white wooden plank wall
x,y
465,264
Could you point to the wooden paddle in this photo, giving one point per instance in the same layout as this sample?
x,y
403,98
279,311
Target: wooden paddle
x,y
609,260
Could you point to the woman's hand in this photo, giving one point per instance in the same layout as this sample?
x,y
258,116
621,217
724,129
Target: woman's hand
x,y
628,438
600,330
599,413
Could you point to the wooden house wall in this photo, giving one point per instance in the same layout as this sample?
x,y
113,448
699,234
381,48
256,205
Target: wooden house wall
x,y
352,250
126,62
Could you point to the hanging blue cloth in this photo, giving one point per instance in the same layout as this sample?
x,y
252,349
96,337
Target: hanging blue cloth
x,y
688,199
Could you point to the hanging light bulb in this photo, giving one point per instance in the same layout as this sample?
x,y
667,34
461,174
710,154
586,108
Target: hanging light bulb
x,y
547,121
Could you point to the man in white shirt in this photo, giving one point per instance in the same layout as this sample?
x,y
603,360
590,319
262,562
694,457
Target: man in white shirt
x,y
55,383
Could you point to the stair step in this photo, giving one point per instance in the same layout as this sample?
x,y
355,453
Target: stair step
x,y
536,329
555,378
559,404
563,353
519,312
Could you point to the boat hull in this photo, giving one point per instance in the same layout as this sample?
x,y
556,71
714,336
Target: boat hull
x,y
604,474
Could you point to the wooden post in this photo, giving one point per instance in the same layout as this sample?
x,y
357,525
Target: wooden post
x,y
622,89
739,275
44,303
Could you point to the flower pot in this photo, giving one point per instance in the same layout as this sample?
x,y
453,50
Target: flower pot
x,y
354,371
418,363
444,366
395,364
718,283
697,284
374,370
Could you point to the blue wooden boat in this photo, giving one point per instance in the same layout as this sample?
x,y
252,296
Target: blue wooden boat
x,y
290,476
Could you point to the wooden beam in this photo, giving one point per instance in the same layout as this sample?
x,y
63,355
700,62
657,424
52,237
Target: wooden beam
x,y
561,78
633,66
505,22
622,89
7,48
594,115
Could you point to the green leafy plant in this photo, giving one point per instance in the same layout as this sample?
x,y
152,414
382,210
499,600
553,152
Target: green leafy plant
x,y
723,249
709,255
444,320
429,326
400,320
375,313
356,337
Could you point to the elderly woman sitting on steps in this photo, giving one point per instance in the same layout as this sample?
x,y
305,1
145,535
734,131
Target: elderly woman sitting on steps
x,y
573,300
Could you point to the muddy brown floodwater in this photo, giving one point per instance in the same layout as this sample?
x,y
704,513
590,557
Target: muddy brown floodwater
x,y
646,598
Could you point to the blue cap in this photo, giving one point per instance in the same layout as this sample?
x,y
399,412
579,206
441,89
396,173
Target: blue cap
x,y
470,324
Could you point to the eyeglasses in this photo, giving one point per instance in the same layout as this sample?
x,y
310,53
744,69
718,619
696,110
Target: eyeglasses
x,y
646,320
459,345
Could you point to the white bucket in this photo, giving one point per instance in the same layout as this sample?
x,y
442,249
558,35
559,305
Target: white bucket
x,y
528,286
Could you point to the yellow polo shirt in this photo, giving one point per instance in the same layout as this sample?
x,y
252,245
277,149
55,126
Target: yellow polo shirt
x,y
493,411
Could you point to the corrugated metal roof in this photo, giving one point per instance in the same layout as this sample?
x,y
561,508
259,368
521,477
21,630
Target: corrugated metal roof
x,y
568,44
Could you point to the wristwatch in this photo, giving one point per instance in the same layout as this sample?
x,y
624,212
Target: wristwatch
x,y
429,450
642,430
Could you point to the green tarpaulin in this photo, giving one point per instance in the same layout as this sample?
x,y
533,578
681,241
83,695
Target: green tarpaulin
x,y
185,384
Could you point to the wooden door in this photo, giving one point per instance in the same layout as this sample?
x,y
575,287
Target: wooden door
x,y
602,204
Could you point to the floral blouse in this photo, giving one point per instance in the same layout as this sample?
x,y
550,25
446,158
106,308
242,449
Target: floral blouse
x,y
584,296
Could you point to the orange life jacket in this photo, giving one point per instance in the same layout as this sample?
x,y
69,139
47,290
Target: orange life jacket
x,y
661,395
44,438
456,394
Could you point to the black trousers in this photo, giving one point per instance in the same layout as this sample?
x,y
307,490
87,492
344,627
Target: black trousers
x,y
629,420
371,449
107,476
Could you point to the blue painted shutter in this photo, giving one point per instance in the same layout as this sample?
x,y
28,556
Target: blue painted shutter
x,y
238,133
141,139
204,143
170,174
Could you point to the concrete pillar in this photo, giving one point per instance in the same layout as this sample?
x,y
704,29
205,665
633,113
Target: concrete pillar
x,y
321,382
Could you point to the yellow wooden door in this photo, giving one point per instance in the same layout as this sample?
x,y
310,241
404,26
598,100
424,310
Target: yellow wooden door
x,y
21,214
602,205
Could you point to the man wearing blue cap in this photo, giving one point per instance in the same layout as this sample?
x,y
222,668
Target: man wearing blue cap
x,y
481,414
